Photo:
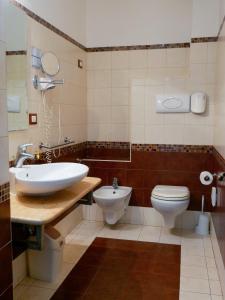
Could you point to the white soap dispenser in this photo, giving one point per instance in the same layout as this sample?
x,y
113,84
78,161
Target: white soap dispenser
x,y
198,103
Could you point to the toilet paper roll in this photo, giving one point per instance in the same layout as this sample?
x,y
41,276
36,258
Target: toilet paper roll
x,y
206,178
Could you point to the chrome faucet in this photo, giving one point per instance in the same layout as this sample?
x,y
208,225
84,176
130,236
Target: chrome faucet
x,y
22,155
115,184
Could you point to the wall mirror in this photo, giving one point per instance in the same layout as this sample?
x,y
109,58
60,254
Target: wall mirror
x,y
16,66
50,64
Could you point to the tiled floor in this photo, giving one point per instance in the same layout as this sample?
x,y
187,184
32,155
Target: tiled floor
x,y
199,277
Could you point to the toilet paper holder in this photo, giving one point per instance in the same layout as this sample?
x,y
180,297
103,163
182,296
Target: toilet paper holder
x,y
219,176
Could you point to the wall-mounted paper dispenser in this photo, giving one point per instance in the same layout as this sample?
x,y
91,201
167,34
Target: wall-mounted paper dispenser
x,y
198,103
173,103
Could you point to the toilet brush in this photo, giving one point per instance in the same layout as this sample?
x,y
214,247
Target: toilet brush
x,y
203,223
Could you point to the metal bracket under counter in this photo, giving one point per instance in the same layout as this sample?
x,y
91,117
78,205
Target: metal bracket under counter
x,y
87,200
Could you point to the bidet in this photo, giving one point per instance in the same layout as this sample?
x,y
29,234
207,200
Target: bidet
x,y
113,202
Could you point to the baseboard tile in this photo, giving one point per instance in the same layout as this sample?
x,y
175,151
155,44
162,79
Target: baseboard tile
x,y
143,216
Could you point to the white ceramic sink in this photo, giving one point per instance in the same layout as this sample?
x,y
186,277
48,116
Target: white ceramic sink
x,y
47,178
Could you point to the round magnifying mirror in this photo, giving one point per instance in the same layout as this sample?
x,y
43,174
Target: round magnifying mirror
x,y
50,63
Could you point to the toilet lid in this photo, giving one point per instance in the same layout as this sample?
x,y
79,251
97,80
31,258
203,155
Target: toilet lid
x,y
169,192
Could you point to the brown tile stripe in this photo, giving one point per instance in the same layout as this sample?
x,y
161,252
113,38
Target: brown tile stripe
x,y
68,150
122,269
4,192
18,52
108,145
204,39
47,24
139,47
172,148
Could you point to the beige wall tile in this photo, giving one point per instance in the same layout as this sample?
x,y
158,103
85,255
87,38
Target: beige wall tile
x,y
177,57
3,114
138,76
120,60
138,59
157,58
69,99
120,78
199,53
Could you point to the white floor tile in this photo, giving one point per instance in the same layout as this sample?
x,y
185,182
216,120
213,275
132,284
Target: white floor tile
x,y
215,297
215,287
193,260
208,247
210,262
129,232
72,253
169,236
150,234
19,291
110,232
194,272
195,285
193,249
213,274
35,293
193,296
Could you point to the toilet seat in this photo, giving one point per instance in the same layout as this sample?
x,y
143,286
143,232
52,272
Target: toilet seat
x,y
170,193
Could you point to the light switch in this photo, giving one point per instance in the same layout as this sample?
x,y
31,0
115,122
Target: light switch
x,y
80,63
32,119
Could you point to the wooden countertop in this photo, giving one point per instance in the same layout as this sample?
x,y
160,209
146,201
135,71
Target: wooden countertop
x,y
43,210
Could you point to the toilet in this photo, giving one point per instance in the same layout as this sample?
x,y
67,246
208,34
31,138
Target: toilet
x,y
170,201
113,201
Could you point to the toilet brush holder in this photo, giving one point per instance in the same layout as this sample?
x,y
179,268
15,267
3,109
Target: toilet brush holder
x,y
203,225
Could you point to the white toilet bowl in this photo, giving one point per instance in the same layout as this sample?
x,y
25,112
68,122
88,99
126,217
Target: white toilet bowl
x,y
170,201
113,202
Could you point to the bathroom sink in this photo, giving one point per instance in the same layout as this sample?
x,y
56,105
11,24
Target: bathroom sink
x,y
47,178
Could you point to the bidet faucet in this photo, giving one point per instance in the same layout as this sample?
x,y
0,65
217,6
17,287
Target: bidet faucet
x,y
22,155
115,183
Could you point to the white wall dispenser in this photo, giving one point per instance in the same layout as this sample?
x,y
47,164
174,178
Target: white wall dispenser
x,y
173,103
198,102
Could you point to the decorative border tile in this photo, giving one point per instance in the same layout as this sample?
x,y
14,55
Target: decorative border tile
x,y
204,39
4,192
139,47
172,148
108,145
47,24
18,52
72,149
